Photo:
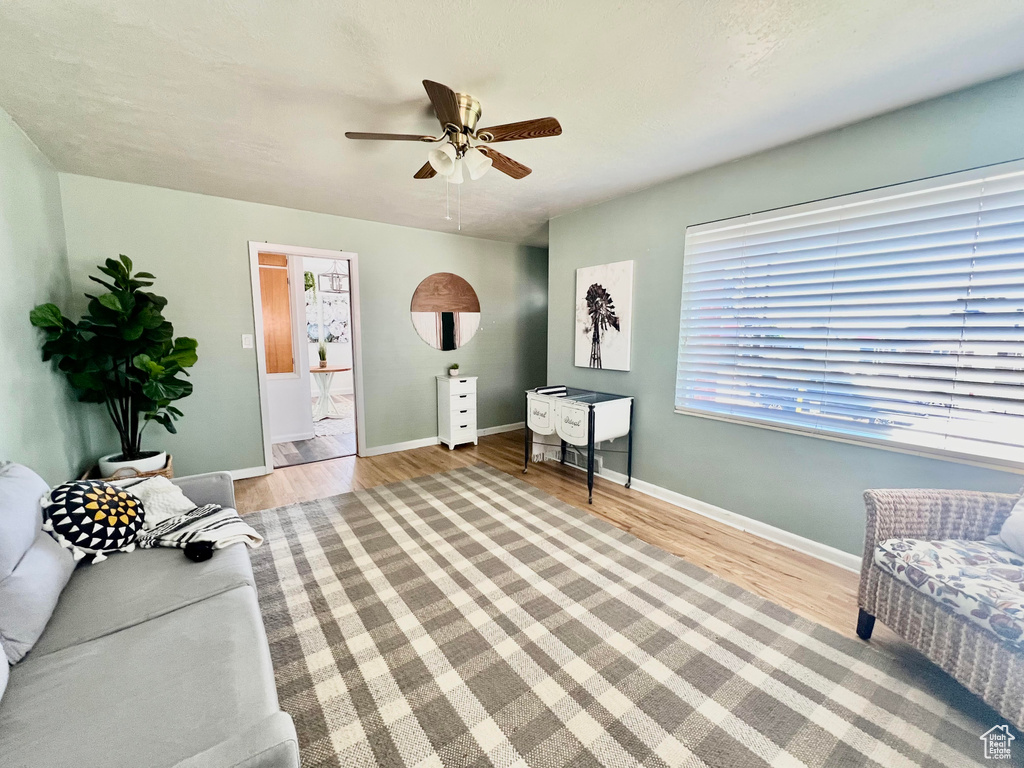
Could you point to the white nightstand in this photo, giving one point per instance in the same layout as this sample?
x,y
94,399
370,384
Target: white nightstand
x,y
456,410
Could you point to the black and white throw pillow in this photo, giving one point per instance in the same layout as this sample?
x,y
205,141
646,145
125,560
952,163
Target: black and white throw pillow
x,y
92,517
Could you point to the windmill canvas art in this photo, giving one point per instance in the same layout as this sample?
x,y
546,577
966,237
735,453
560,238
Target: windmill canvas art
x,y
604,316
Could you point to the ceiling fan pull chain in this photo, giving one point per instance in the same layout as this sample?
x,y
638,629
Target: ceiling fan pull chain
x,y
459,193
447,206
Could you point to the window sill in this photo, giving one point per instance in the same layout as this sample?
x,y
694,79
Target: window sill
x,y
885,445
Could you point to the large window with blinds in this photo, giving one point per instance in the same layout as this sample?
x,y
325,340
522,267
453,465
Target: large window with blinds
x,y
893,317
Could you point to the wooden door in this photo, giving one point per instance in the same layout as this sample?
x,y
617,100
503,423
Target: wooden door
x,y
277,313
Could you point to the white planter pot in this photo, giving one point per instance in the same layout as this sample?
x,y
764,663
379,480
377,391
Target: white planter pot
x,y
109,468
453,372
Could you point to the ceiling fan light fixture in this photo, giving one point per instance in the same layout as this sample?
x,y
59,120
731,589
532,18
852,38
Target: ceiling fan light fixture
x,y
455,177
458,114
476,162
443,159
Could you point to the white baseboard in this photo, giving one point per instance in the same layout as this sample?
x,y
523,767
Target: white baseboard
x,y
763,530
423,442
242,474
501,428
408,445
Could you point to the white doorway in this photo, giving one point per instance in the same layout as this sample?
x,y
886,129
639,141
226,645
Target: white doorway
x,y
306,303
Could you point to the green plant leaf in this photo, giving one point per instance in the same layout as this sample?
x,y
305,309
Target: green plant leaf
x,y
147,364
100,315
184,353
86,381
162,333
150,317
127,300
132,331
117,271
110,301
104,283
98,364
163,419
166,389
46,316
158,301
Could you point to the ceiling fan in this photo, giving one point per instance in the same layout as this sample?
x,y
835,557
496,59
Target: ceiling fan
x,y
459,114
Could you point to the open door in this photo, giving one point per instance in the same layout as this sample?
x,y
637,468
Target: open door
x,y
307,332
277,313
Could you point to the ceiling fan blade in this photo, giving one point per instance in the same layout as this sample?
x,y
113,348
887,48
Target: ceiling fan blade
x,y
446,105
388,136
426,172
526,129
505,164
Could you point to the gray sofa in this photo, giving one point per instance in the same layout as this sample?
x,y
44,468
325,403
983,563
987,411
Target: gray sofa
x,y
151,660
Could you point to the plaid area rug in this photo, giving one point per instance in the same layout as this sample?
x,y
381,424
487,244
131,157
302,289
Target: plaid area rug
x,y
469,619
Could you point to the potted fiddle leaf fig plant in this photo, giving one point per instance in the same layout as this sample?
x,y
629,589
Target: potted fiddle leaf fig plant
x,y
122,353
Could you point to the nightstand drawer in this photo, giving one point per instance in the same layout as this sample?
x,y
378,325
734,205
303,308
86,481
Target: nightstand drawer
x,y
465,400
463,419
459,386
460,435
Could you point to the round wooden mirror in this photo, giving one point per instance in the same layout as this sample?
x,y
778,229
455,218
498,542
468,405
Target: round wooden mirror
x,y
445,311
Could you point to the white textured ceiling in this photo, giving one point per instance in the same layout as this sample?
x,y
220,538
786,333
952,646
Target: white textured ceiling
x,y
249,99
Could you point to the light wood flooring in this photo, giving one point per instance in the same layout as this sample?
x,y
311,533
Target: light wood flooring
x,y
337,441
314,449
811,588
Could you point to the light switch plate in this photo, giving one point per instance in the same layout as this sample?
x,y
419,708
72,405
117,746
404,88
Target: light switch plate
x,y
247,341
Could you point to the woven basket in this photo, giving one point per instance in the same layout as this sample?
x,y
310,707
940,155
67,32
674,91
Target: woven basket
x,y
128,472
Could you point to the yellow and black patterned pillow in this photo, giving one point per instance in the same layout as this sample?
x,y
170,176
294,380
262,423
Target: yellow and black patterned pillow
x,y
92,517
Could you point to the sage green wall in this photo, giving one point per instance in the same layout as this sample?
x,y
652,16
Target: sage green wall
x,y
809,486
40,424
197,246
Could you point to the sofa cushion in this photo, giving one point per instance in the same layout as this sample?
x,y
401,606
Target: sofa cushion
x,y
150,695
271,743
131,588
20,515
29,595
978,580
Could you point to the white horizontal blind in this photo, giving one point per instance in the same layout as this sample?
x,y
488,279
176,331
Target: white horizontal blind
x,y
894,316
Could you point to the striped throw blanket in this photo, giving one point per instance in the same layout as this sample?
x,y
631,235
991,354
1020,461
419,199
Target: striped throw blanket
x,y
212,523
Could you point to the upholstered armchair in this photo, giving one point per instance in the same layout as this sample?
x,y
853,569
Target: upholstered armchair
x,y
935,590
